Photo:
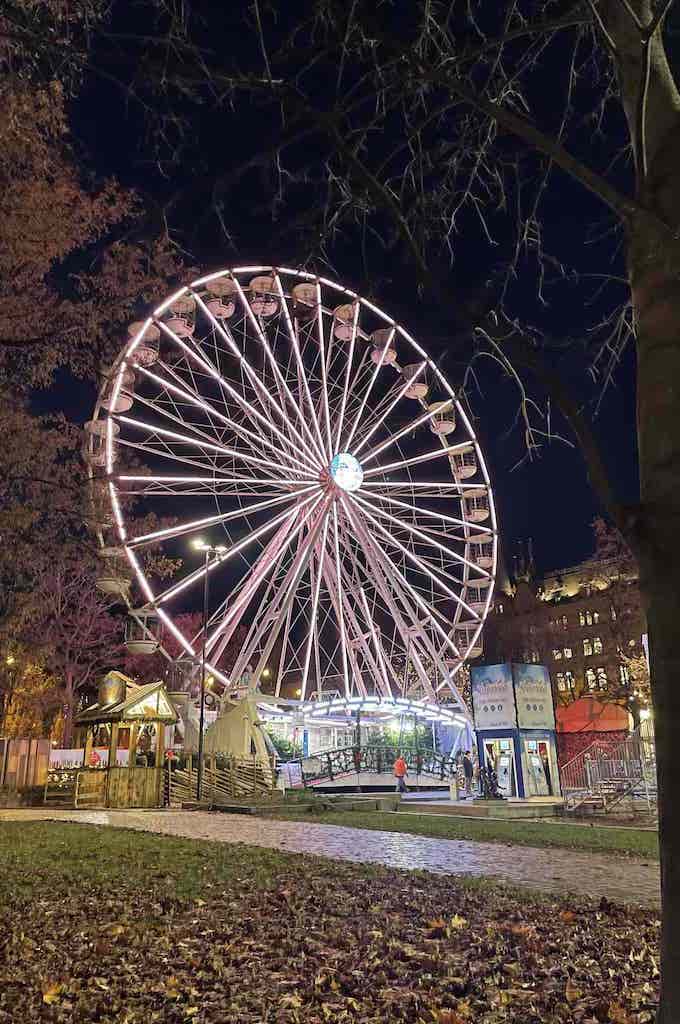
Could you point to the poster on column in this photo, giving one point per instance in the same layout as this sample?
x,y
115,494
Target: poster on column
x,y
533,694
493,700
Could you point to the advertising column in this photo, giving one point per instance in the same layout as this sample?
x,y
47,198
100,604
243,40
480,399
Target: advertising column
x,y
493,703
536,721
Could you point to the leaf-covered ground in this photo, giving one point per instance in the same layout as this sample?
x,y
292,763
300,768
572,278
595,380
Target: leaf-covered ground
x,y
104,925
635,842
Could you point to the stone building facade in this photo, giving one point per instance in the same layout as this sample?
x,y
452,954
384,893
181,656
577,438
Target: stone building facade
x,y
585,623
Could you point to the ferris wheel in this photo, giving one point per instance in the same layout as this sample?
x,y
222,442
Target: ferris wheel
x,y
338,479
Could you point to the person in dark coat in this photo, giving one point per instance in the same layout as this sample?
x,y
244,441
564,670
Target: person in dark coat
x,y
469,772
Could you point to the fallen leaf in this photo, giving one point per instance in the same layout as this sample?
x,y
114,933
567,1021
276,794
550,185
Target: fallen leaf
x,y
568,916
572,993
619,1015
51,992
457,922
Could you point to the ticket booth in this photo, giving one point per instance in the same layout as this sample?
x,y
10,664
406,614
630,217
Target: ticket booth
x,y
515,727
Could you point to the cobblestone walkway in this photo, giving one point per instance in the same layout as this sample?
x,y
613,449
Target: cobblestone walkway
x,y
550,870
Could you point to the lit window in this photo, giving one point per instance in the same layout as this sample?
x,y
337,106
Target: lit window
x,y
535,657
624,675
597,645
631,643
565,620
612,611
557,654
581,619
601,679
596,618
568,653
500,609
587,647
591,679
569,680
561,684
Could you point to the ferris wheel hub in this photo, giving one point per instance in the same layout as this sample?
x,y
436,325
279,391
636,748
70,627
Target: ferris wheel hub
x,y
346,472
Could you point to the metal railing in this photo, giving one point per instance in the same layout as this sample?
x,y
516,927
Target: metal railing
x,y
601,775
331,765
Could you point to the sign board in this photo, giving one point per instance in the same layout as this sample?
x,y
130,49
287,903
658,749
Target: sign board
x,y
291,772
533,694
493,700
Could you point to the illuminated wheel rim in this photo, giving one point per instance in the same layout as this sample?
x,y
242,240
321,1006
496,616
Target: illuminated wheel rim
x,y
311,436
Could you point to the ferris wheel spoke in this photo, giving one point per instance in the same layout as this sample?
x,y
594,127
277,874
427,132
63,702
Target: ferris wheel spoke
x,y
193,398
417,459
413,425
213,372
292,334
430,610
278,376
339,595
273,623
343,631
159,486
323,354
348,374
411,527
380,580
263,393
367,393
339,605
419,563
380,663
229,552
316,587
400,394
224,517
260,571
204,445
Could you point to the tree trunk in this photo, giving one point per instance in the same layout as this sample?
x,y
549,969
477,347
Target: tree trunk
x,y
655,278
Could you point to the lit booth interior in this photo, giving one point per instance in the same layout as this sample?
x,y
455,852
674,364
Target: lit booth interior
x,y
515,726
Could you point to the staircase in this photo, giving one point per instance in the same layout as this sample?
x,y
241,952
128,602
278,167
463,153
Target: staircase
x,y
600,777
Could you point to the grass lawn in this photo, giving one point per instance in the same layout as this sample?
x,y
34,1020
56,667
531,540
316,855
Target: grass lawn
x,y
625,841
119,927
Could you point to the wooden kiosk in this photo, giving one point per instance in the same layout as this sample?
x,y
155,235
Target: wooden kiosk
x,y
131,721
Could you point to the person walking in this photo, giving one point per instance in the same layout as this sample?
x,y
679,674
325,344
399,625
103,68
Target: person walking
x,y
400,773
469,772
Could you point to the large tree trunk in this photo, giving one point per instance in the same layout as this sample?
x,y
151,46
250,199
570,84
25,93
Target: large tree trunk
x,y
654,269
655,275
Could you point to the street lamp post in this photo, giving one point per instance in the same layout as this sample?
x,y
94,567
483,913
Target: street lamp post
x,y
208,550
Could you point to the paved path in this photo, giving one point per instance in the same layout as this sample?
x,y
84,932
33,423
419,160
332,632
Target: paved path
x,y
550,870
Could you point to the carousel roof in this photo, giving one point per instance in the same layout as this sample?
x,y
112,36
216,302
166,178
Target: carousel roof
x,y
590,715
146,703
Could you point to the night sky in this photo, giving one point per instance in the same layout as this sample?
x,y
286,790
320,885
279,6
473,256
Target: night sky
x,y
548,499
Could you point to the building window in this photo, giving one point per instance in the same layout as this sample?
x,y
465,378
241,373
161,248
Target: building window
x,y
591,679
624,675
631,643
532,629
499,609
597,645
535,657
565,682
568,653
612,611
601,674
565,621
587,647
588,618
557,654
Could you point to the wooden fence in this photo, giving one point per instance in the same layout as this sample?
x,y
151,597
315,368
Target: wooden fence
x,y
23,763
236,779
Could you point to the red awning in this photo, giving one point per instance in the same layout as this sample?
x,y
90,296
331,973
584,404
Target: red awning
x,y
589,715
